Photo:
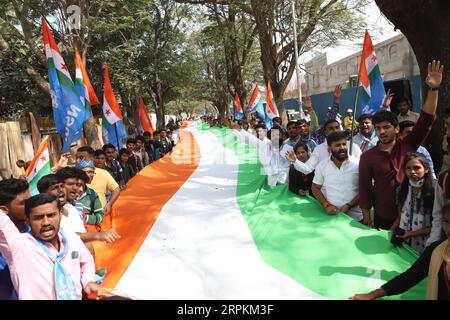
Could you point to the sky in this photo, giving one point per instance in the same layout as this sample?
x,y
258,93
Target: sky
x,y
379,29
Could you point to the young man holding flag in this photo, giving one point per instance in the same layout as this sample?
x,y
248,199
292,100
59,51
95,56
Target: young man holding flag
x,y
383,163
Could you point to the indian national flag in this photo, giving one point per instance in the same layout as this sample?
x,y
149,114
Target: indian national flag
x,y
372,92
83,86
111,110
39,167
202,223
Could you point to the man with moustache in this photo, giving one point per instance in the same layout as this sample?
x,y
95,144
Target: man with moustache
x,y
381,168
47,263
335,183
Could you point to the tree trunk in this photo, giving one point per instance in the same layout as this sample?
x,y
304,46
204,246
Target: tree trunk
x,y
424,23
159,103
91,134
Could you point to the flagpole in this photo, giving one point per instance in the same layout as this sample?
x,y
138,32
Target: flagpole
x,y
297,68
354,113
117,136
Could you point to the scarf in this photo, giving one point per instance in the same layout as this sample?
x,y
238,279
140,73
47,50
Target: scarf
x,y
64,285
440,254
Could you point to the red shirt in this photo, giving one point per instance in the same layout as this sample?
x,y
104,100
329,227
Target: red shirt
x,y
386,169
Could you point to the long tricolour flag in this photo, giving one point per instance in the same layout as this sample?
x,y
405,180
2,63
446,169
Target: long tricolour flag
x,y
84,87
372,92
39,167
69,112
146,122
245,240
239,114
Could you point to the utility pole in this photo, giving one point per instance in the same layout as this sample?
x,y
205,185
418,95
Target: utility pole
x,y
297,67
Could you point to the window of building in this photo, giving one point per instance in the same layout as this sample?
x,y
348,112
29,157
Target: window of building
x,y
393,52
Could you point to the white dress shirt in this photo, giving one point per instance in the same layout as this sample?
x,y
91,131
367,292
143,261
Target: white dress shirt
x,y
339,185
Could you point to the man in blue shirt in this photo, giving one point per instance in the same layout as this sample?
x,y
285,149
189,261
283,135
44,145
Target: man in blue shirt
x,y
13,193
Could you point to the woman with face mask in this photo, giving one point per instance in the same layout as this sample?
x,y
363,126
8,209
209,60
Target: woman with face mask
x,y
415,203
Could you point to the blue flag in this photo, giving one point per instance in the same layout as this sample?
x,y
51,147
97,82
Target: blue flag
x,y
109,134
68,109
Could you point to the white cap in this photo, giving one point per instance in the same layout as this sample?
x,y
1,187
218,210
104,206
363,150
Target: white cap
x,y
349,110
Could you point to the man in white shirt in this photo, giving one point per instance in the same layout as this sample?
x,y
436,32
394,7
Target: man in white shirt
x,y
335,183
321,152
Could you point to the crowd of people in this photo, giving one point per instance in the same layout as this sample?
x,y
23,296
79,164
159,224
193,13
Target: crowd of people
x,y
41,256
380,175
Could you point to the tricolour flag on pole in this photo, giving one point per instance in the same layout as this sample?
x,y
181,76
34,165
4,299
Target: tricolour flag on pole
x,y
372,92
255,103
111,110
39,167
239,114
83,86
68,110
146,122
271,110
111,115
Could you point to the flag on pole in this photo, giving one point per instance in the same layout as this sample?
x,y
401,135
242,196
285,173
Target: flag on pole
x,y
111,115
238,114
146,122
255,98
68,110
39,167
372,92
111,110
255,103
271,109
84,87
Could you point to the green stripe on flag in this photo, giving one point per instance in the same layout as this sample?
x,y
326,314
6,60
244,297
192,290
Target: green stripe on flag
x,y
374,74
45,170
334,256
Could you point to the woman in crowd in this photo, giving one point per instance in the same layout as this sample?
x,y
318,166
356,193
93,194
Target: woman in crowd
x,y
415,202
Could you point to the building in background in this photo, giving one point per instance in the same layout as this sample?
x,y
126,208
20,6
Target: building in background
x,y
398,66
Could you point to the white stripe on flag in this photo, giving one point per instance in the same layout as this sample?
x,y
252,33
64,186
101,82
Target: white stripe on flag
x,y
371,62
203,252
58,60
109,114
43,159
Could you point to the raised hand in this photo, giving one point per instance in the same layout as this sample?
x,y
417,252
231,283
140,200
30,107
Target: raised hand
x,y
434,77
307,102
290,156
388,99
337,93
62,163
